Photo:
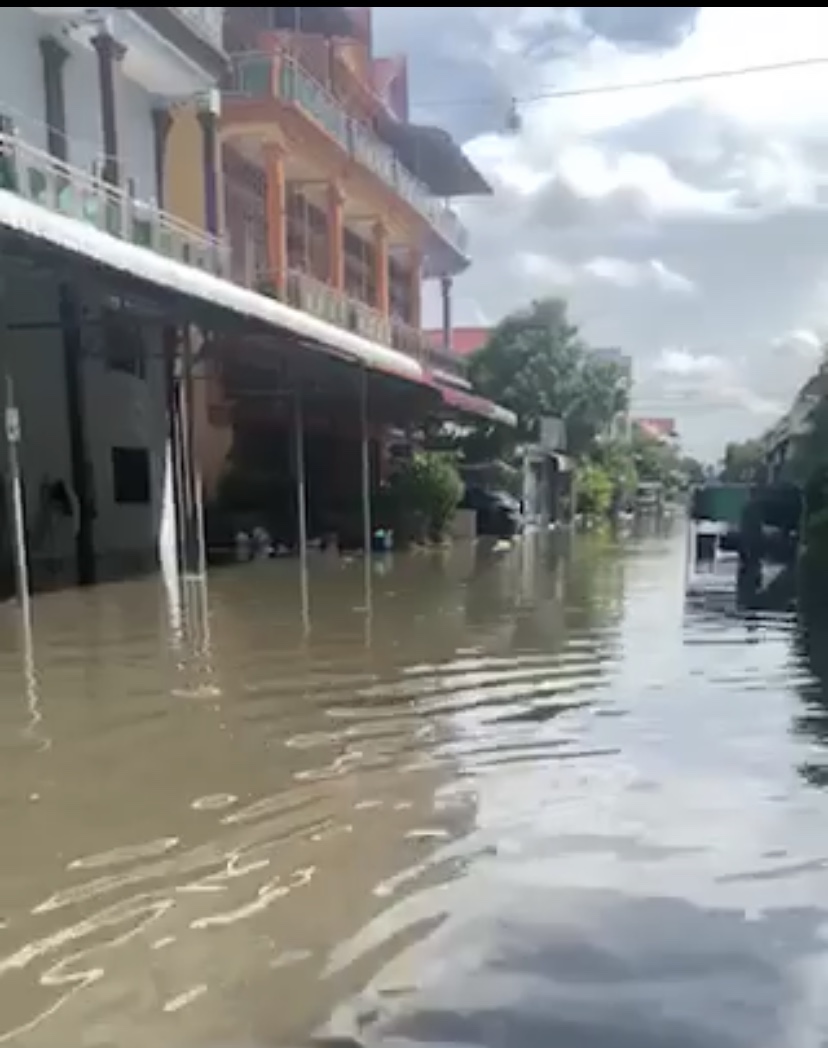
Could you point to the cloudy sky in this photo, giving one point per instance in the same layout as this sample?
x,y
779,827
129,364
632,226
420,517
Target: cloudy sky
x,y
687,224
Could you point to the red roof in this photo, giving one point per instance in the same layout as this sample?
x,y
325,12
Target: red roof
x,y
465,340
659,428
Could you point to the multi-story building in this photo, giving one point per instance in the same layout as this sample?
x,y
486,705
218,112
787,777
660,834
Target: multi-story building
x,y
88,98
335,201
115,270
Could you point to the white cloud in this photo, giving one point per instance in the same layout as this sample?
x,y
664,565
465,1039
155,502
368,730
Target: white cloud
x,y
682,363
691,214
802,343
623,273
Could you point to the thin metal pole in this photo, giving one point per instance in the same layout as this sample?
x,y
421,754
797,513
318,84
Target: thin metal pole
x,y
194,553
367,527
301,505
21,553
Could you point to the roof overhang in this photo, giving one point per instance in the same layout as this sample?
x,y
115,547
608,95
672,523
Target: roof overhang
x,y
435,158
470,404
217,299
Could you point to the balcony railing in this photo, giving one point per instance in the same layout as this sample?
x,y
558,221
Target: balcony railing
x,y
44,180
281,76
315,296
320,299
207,21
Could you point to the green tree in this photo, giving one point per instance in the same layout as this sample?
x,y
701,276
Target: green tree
x,y
536,364
656,461
809,454
616,459
423,496
692,470
742,462
595,490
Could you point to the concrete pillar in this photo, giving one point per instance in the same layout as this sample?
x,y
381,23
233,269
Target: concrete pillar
x,y
54,57
109,52
275,217
336,237
416,276
186,475
301,506
383,302
209,110
161,125
448,323
367,520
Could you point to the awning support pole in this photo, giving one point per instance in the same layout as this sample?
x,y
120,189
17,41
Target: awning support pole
x,y
367,527
21,552
302,506
189,507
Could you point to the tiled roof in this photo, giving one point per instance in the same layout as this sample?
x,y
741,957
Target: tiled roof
x,y
465,340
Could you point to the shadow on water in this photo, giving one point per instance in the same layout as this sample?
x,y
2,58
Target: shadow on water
x,y
516,798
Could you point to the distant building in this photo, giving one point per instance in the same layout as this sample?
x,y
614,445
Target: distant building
x,y
663,429
464,340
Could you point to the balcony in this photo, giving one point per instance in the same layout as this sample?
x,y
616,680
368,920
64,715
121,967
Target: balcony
x,y
325,302
208,22
42,179
279,76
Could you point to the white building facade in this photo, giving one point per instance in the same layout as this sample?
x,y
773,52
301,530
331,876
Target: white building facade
x,y
85,98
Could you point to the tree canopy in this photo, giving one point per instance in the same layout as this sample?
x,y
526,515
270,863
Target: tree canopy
x,y
742,462
536,364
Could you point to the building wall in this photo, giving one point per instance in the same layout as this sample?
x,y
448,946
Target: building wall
x,y
184,169
22,97
120,410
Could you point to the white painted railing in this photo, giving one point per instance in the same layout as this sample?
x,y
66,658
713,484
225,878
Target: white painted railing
x,y
59,187
315,296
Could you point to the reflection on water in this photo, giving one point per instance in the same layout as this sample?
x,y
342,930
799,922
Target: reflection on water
x,y
518,799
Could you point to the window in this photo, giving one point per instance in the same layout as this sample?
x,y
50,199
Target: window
x,y
123,344
131,476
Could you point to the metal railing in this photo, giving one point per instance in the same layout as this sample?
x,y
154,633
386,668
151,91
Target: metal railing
x,y
314,296
207,21
44,180
280,75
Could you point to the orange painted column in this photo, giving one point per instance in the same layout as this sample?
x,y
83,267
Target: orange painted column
x,y
275,217
336,241
383,303
416,289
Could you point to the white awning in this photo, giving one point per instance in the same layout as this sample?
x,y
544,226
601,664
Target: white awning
x,y
76,237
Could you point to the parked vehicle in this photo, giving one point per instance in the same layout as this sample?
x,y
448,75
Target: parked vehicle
x,y
499,515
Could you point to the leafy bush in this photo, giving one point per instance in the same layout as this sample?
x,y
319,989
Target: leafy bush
x,y
425,493
594,490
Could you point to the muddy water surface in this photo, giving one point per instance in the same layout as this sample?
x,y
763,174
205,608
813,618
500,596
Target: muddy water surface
x,y
527,799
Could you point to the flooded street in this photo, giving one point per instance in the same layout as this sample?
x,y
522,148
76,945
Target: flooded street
x,y
522,800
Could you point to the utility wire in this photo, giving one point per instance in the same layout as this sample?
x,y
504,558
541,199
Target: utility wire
x,y
553,94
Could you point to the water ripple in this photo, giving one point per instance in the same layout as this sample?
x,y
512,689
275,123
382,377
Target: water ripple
x,y
534,798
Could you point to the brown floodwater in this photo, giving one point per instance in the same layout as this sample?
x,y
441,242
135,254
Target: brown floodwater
x,y
523,798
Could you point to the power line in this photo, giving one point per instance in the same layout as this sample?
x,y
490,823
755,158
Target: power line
x,y
622,87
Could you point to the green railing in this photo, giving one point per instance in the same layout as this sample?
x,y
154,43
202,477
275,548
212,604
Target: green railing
x,y
42,179
295,85
281,75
